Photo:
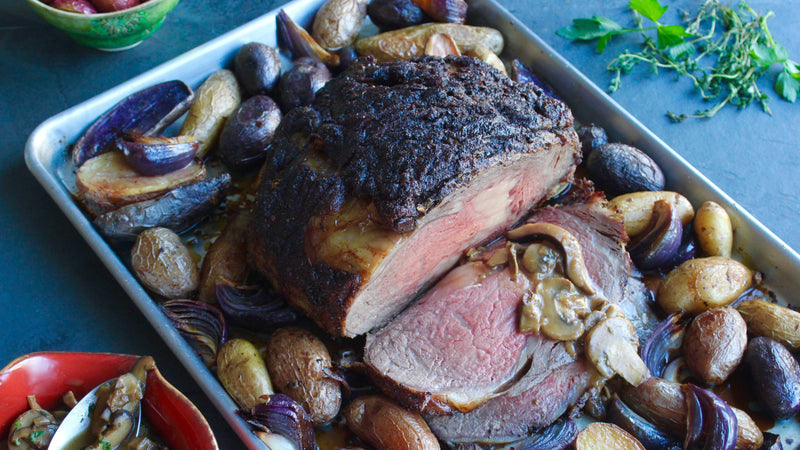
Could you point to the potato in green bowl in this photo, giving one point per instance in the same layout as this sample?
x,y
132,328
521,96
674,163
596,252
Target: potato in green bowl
x,y
118,30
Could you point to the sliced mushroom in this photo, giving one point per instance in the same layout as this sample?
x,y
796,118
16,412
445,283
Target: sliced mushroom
x,y
542,259
120,427
556,309
612,347
33,429
576,269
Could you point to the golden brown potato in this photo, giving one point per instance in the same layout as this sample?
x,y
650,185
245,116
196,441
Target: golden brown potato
x,y
703,283
216,99
773,321
107,182
226,258
338,22
636,208
409,42
163,264
713,229
242,372
714,344
385,425
606,436
300,367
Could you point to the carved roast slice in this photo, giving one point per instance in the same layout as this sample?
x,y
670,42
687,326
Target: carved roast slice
x,y
374,192
460,349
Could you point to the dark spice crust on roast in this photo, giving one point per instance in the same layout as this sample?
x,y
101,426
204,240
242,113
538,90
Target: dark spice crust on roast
x,y
403,135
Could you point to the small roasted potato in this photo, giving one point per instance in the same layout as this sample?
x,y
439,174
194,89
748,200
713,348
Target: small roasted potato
x,y
777,377
298,86
773,321
226,258
247,133
606,436
242,372
338,22
385,425
592,137
161,261
621,169
714,344
409,42
107,182
713,229
301,368
703,283
76,6
216,99
257,67
393,14
636,208
114,5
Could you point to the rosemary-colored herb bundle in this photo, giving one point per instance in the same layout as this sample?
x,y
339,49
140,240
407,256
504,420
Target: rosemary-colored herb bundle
x,y
723,50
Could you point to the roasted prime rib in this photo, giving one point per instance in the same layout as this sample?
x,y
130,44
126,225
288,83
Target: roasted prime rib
x,y
374,192
458,355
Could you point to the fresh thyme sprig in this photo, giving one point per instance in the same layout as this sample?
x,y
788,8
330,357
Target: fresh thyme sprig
x,y
724,51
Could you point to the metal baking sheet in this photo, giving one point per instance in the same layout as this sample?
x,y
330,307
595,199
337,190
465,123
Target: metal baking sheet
x,y
46,154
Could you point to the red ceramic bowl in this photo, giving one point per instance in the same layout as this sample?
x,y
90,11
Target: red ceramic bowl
x,y
49,375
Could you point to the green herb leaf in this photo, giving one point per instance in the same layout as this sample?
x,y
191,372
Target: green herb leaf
x,y
648,8
588,29
722,50
767,55
787,86
671,35
682,49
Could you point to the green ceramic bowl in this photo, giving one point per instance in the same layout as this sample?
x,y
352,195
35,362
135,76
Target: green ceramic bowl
x,y
108,31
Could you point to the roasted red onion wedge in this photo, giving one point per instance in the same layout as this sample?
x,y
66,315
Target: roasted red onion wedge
x,y
645,432
666,337
146,112
282,415
711,423
299,43
158,155
453,11
202,325
253,307
661,239
558,436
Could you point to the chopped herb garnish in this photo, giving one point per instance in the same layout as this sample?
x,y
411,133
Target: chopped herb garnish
x,y
723,50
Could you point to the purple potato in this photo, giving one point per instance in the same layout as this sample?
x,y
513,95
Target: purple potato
x,y
258,68
146,112
298,86
619,169
776,377
247,133
393,14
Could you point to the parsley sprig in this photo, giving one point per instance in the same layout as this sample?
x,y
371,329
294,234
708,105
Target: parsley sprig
x,y
723,50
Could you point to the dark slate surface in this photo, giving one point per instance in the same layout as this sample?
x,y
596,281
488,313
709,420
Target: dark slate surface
x,y
55,293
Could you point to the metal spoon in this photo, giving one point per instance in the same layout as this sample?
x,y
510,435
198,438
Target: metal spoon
x,y
74,431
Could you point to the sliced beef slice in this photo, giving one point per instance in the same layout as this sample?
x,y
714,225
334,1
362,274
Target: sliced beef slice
x,y
372,193
517,382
